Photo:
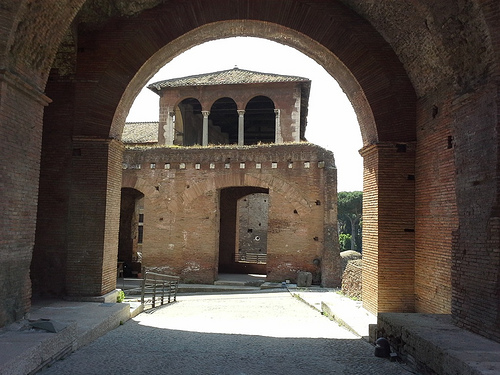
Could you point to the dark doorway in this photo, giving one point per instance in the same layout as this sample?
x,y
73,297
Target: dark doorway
x,y
131,233
238,253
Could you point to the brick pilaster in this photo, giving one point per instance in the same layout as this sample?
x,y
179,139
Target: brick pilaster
x,y
389,227
94,216
21,110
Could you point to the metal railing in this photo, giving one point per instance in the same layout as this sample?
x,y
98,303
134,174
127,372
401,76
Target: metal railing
x,y
248,257
160,287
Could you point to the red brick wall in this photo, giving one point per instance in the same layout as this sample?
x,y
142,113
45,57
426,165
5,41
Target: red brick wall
x,y
370,229
94,221
49,253
435,205
389,227
181,217
21,109
475,262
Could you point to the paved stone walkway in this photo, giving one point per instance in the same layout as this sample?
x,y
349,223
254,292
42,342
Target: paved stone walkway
x,y
238,334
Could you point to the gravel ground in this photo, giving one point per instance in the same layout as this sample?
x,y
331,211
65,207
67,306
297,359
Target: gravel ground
x,y
243,334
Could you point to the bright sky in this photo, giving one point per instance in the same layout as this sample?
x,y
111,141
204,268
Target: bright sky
x,y
331,121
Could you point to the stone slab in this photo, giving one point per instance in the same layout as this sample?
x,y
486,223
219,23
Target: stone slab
x,y
25,349
433,342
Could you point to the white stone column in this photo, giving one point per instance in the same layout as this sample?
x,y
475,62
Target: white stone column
x,y
169,131
278,137
241,127
204,139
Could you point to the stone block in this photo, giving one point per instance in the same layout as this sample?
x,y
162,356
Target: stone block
x,y
304,279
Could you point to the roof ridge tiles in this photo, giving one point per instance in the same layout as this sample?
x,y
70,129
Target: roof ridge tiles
x,y
225,77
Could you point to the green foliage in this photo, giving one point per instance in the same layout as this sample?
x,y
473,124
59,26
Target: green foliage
x,y
350,203
120,297
345,241
350,210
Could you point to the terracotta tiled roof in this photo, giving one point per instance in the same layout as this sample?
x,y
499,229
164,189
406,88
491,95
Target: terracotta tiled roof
x,y
226,77
140,132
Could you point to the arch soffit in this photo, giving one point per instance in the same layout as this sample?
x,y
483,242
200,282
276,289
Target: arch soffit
x,y
32,32
259,29
445,42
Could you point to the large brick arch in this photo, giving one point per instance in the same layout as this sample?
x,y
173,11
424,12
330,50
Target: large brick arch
x,y
424,73
361,60
115,60
373,99
259,29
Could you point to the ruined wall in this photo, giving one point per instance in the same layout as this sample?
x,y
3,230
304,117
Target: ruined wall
x,y
181,206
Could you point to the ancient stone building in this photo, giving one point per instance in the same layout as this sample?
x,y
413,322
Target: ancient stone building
x,y
423,78
228,186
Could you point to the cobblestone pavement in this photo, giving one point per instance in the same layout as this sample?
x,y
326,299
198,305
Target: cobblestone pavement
x,y
243,334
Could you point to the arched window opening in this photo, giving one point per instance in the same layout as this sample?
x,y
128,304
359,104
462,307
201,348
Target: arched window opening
x,y
260,121
223,124
188,123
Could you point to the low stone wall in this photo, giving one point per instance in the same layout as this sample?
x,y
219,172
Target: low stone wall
x,y
351,279
348,255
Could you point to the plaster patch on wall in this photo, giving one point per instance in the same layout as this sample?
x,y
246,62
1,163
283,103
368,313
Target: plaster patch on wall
x,y
191,267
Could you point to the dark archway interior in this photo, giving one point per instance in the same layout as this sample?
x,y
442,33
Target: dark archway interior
x,y
224,120
130,235
228,199
189,125
260,121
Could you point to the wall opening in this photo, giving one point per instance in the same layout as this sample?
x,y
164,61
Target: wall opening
x,y
223,122
188,123
252,213
260,121
240,236
131,233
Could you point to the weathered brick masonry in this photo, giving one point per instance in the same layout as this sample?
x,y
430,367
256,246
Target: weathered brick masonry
x,y
19,170
182,196
420,74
